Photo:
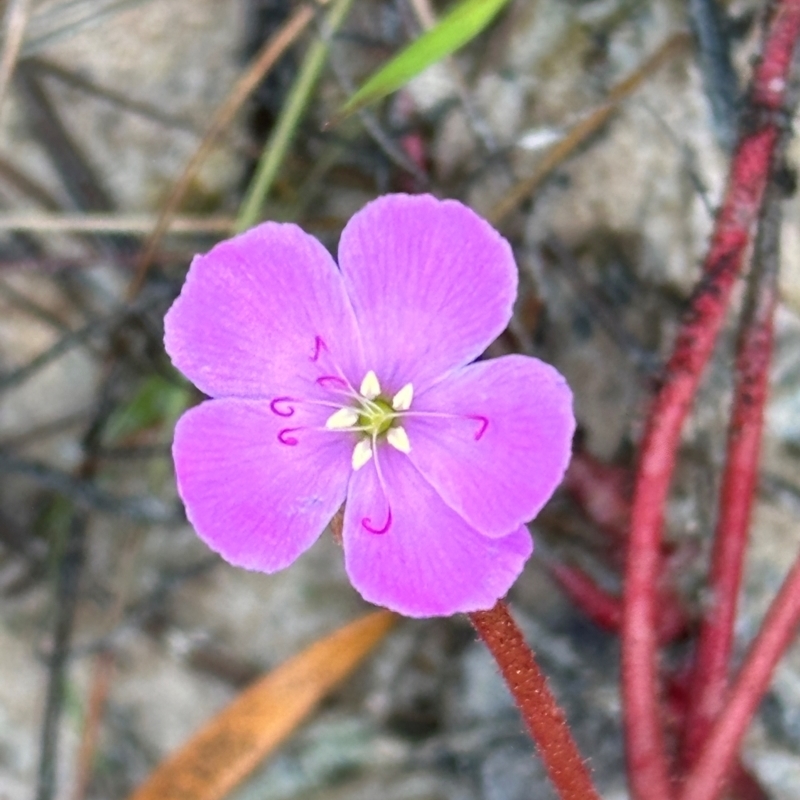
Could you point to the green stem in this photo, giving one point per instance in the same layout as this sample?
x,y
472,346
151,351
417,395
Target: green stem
x,y
291,113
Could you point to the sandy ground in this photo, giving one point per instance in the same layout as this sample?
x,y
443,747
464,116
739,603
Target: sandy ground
x,y
427,718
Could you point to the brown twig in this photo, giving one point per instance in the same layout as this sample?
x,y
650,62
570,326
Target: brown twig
x,y
272,50
589,125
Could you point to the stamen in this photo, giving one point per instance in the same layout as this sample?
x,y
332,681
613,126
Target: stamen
x,y
398,438
286,412
370,386
479,418
319,346
361,454
484,422
341,419
284,438
367,521
402,400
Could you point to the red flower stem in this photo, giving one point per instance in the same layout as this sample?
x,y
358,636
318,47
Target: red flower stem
x,y
647,760
599,605
602,492
543,716
707,779
605,609
754,352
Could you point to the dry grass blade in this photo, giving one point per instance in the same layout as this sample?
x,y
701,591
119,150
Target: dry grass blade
x,y
16,20
112,223
247,83
232,744
585,128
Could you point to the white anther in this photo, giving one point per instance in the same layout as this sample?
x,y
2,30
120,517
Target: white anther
x,y
370,387
398,438
402,400
343,418
362,453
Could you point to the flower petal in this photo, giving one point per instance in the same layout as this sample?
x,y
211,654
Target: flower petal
x,y
429,562
247,320
498,460
255,501
432,284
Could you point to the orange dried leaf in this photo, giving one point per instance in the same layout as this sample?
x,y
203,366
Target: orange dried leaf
x,y
232,744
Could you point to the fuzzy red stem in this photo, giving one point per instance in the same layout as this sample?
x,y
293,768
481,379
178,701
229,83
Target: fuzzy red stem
x,y
605,609
647,760
542,715
599,605
710,675
602,491
707,780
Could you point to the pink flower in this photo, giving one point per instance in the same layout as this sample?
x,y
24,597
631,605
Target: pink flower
x,y
355,382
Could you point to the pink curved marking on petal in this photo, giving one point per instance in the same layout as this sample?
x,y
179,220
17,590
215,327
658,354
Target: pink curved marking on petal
x,y
265,313
326,380
484,421
433,563
523,451
283,438
286,412
319,346
367,523
257,505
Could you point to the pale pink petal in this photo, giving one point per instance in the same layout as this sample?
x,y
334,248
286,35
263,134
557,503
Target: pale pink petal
x,y
257,502
429,561
253,310
504,445
432,284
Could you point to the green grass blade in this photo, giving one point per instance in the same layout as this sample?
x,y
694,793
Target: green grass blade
x,y
292,112
458,27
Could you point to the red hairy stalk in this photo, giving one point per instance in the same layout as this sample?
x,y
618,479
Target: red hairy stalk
x,y
600,606
744,786
543,717
605,609
602,491
707,779
739,480
646,751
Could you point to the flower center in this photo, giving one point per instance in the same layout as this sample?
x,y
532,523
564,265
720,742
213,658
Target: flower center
x,y
376,417
369,415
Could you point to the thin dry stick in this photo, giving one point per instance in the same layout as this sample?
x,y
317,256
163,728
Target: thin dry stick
x,y
112,223
102,672
543,716
586,127
16,20
244,87
707,780
750,169
103,667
